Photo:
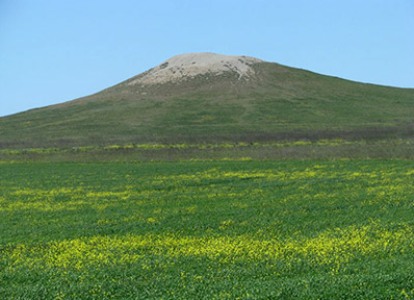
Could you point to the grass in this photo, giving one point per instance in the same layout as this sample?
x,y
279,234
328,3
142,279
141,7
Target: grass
x,y
234,229
291,185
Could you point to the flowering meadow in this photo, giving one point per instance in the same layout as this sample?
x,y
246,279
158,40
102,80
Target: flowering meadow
x,y
230,229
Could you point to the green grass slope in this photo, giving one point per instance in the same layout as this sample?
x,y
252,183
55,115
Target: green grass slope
x,y
278,103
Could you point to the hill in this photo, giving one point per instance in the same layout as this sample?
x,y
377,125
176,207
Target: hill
x,y
206,97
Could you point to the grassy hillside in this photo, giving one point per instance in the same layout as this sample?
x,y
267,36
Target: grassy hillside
x,y
279,103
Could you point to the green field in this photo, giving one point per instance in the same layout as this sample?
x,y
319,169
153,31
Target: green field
x,y
207,229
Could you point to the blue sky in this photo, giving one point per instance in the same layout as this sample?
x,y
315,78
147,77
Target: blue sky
x,y
55,50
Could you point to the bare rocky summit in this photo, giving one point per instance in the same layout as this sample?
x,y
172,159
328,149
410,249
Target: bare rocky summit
x,y
182,67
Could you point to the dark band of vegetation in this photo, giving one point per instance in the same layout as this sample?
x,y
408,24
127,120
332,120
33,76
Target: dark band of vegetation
x,y
300,149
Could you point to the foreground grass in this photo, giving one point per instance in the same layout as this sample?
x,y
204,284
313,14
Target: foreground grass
x,y
207,230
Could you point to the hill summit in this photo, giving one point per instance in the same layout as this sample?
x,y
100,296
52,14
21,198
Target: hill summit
x,y
207,97
182,67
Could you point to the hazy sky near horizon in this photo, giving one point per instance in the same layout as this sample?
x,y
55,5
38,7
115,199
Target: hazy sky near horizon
x,y
53,51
